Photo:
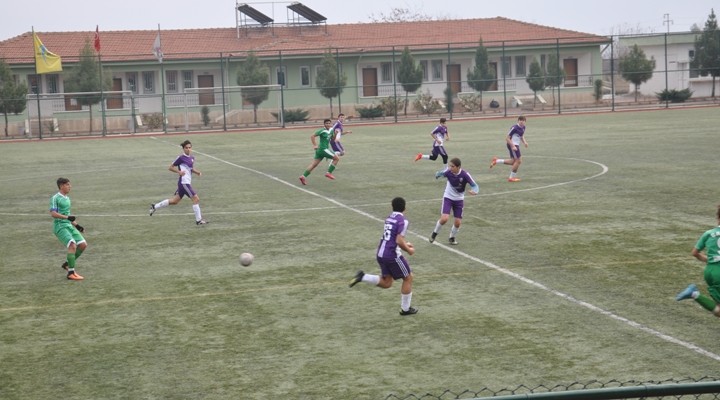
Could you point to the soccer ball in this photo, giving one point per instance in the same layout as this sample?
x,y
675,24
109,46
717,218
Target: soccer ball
x,y
246,259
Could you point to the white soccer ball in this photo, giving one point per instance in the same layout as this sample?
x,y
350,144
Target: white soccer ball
x,y
246,259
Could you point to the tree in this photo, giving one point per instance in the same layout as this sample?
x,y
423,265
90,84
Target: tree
x,y
409,74
555,75
85,78
329,81
398,14
481,77
707,50
535,78
636,68
250,73
12,95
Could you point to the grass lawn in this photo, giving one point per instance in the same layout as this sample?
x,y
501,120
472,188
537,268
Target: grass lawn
x,y
569,275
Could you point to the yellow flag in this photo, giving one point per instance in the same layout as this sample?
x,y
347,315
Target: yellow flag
x,y
45,61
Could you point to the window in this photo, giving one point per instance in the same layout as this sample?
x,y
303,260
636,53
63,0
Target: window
x,y
424,66
385,72
132,82
304,76
520,66
187,79
691,54
172,81
33,83
543,62
52,83
437,70
280,74
506,67
148,82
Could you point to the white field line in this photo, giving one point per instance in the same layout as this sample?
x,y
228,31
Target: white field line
x,y
500,269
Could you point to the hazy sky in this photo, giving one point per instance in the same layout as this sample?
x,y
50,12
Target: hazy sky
x,y
599,17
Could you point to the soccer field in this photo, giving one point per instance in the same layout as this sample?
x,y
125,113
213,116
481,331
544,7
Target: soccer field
x,y
569,275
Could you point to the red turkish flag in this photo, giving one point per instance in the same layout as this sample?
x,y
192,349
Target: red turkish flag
x,y
97,38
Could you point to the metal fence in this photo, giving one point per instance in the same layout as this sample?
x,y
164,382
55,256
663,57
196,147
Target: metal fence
x,y
685,389
222,107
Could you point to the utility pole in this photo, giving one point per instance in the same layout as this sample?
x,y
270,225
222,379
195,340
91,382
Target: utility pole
x,y
667,21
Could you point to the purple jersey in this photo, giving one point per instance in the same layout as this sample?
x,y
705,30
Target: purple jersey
x,y
185,163
440,132
455,188
395,224
516,132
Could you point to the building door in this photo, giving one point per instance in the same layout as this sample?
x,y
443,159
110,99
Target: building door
x,y
370,82
115,100
571,72
493,67
453,71
206,96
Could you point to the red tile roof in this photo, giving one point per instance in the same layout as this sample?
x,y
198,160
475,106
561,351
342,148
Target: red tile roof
x,y
295,39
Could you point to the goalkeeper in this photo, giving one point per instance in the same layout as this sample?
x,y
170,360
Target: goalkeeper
x,y
66,229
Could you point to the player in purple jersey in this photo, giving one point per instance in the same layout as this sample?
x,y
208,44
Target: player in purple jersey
x,y
512,140
454,198
707,250
338,131
440,134
184,167
393,264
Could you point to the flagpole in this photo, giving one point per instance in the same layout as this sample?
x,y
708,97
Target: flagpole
x,y
162,82
37,85
102,94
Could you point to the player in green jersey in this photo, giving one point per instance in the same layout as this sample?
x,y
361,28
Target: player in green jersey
x,y
66,229
322,151
707,250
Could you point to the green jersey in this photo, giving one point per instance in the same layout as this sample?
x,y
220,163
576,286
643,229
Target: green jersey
x,y
710,242
60,204
324,136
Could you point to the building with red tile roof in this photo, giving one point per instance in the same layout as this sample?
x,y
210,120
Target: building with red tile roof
x,y
365,52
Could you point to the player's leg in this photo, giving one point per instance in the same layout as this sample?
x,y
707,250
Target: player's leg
x,y
444,216
457,209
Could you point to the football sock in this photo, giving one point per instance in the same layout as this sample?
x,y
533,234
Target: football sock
x,y
512,174
405,301
196,210
454,231
78,252
306,173
438,226
162,204
371,279
706,302
499,161
71,261
331,168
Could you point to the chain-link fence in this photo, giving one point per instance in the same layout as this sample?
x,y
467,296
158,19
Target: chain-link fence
x,y
696,388
178,97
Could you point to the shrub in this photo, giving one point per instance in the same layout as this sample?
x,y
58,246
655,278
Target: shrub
x,y
674,96
470,103
296,115
153,121
371,111
391,105
425,103
449,99
598,89
205,115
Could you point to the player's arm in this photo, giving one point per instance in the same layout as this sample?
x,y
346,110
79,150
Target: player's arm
x,y
699,255
313,140
524,141
405,245
57,215
509,141
196,172
175,169
474,188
